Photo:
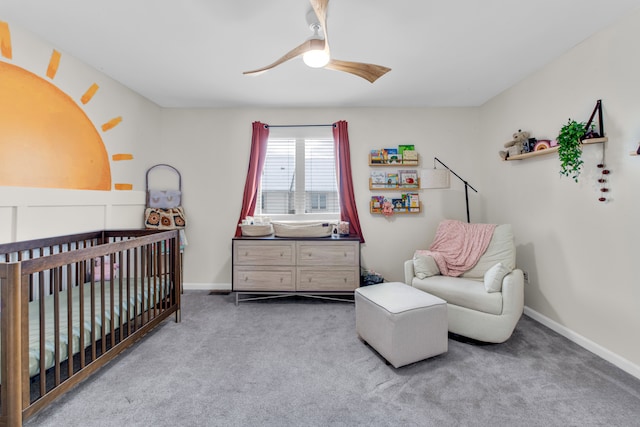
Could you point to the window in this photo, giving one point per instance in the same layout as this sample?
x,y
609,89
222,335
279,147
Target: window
x,y
299,178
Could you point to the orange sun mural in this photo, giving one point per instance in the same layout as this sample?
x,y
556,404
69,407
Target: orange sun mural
x,y
46,139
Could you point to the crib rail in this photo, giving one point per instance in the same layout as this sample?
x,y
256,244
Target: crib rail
x,y
79,300
10,365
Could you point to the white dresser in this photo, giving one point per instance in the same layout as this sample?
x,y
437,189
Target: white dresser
x,y
285,266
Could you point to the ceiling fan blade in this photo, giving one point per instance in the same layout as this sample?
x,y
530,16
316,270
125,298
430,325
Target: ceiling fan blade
x,y
370,72
297,51
320,8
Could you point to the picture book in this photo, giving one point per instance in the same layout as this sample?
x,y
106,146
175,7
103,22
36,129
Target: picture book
x,y
375,156
405,147
392,179
399,205
410,157
408,177
376,203
378,179
394,158
413,202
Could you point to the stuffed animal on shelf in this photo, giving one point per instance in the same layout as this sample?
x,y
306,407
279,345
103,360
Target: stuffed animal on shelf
x,y
515,146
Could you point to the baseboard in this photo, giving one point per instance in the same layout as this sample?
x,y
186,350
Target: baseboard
x,y
206,286
586,343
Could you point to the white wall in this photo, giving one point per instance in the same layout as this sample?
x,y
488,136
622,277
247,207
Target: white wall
x,y
580,253
211,147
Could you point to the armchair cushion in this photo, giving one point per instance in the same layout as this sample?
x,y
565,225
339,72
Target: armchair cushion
x,y
424,265
493,277
468,293
501,249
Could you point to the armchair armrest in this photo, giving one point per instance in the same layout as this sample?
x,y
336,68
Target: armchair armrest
x,y
409,273
513,293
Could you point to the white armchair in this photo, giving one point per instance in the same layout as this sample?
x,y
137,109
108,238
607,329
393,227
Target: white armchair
x,y
486,302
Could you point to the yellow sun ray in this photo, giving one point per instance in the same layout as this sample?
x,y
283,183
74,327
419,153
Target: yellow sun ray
x,y
5,40
121,156
89,93
111,123
123,187
54,62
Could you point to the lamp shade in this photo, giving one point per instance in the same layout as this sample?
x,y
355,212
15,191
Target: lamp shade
x,y
434,178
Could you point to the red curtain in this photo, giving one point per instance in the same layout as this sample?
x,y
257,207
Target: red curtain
x,y
256,163
348,210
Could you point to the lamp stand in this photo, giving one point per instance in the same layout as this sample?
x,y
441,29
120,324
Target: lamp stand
x,y
466,186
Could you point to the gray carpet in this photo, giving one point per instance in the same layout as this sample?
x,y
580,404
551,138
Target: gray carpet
x,y
298,362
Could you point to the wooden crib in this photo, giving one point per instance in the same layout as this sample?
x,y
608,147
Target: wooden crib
x,y
70,304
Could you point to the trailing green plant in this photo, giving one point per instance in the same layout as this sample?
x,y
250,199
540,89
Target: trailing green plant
x,y
570,149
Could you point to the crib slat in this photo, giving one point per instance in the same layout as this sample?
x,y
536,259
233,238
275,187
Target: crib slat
x,y
43,354
121,296
112,302
103,314
56,329
69,321
81,308
93,314
136,264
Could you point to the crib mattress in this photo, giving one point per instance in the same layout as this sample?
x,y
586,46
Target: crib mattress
x,y
141,300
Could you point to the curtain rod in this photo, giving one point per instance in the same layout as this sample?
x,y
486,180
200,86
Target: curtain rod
x,y
297,126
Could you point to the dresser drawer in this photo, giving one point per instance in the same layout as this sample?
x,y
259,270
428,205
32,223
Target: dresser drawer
x,y
327,279
264,253
264,279
330,253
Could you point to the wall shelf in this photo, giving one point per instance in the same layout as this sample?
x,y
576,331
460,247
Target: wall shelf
x,y
553,149
413,210
399,163
392,187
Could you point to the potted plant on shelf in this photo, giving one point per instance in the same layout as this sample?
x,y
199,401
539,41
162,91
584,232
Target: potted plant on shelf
x,y
570,150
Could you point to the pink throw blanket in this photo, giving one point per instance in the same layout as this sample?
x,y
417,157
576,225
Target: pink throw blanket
x,y
458,246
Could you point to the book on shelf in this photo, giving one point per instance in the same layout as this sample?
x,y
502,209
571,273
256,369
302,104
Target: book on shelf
x,y
378,179
385,155
408,177
399,205
413,202
376,203
410,157
375,156
393,157
392,179
405,147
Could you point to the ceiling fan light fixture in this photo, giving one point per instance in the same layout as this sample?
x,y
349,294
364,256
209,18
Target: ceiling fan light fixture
x,y
316,58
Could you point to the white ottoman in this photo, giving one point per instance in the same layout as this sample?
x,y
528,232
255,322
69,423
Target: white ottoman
x,y
401,323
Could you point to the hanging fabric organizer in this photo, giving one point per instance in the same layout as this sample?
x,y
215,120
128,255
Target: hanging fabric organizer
x,y
164,209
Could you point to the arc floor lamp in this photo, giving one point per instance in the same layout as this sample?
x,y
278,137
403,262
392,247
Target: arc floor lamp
x,y
439,178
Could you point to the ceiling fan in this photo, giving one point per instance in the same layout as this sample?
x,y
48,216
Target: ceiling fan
x,y
316,54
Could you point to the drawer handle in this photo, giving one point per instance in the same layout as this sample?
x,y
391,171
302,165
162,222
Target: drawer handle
x,y
345,254
345,280
309,279
246,278
246,253
281,254
281,280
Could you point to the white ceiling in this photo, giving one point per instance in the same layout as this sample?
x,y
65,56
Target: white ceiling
x,y
191,53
